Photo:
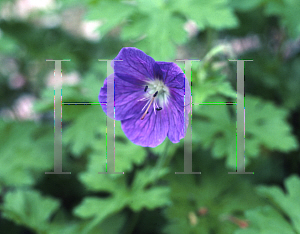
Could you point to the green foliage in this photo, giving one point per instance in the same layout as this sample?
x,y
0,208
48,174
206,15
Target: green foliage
x,y
214,14
29,208
210,81
162,21
266,220
288,203
286,10
162,28
111,225
216,191
274,76
106,10
24,163
149,197
262,118
270,220
82,133
214,127
8,45
138,196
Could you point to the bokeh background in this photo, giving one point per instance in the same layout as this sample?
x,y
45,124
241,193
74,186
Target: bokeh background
x,y
149,197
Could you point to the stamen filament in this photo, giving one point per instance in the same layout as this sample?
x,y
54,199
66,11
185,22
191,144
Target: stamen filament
x,y
148,107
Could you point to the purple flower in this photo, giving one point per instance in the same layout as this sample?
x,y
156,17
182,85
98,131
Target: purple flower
x,y
149,98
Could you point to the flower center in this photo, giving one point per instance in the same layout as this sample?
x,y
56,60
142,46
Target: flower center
x,y
156,92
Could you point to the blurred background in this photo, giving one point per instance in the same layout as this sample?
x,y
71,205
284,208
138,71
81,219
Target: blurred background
x,y
149,198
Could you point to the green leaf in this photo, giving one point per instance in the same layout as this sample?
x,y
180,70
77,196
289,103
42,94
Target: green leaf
x,y
289,203
218,192
81,133
215,128
288,11
125,152
135,27
245,5
152,197
93,81
266,125
137,197
25,152
101,208
70,94
210,79
112,225
155,29
98,182
266,220
161,31
214,14
29,208
204,90
111,12
280,79
150,6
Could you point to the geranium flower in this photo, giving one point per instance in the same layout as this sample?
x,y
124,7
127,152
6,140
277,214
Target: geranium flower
x,y
149,98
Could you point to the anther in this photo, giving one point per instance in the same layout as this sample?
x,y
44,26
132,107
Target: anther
x,y
154,95
146,88
159,108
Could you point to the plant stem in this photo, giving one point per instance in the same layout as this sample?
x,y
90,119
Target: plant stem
x,y
162,159
133,221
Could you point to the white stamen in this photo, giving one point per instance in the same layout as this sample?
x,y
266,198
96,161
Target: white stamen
x,y
156,89
146,104
148,108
